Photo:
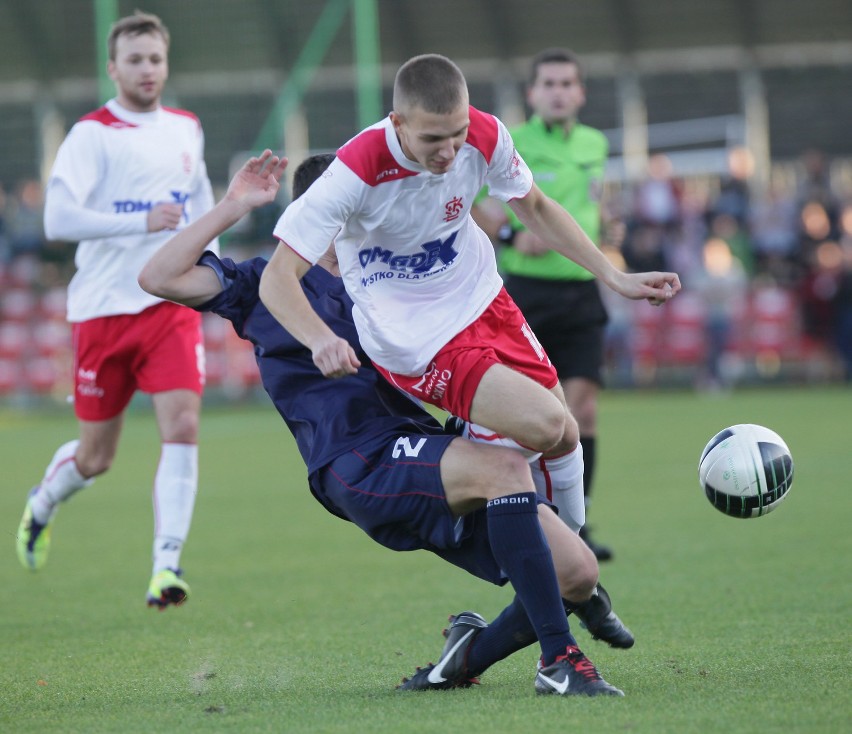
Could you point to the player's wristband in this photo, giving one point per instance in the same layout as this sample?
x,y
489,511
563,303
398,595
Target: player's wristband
x,y
506,235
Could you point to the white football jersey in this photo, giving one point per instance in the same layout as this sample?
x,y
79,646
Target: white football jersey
x,y
113,166
413,260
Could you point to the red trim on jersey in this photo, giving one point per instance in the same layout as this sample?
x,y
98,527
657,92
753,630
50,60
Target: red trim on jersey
x,y
371,160
183,113
482,133
105,117
290,247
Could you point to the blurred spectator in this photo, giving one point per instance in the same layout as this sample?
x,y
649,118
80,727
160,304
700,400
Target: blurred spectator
x,y
644,248
819,292
815,187
723,287
773,226
728,228
657,195
4,241
843,301
26,220
733,198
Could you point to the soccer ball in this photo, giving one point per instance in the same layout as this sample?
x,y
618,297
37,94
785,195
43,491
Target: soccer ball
x,y
746,470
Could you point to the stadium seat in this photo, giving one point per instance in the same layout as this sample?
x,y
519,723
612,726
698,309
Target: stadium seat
x,y
18,304
10,376
14,340
684,334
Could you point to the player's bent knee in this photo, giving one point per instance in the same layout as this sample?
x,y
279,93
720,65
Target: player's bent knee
x,y
578,582
548,430
509,473
93,466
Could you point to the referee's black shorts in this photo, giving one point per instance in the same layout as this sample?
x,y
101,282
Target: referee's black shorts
x,y
569,318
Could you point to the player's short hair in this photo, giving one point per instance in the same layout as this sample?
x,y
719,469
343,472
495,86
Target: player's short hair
x,y
138,24
554,56
431,82
310,170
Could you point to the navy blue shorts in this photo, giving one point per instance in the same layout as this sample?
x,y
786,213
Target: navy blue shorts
x,y
391,488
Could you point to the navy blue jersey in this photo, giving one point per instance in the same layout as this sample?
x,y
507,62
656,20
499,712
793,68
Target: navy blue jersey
x,y
328,417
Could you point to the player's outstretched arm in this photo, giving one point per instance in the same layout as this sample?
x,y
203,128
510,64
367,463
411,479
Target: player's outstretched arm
x,y
558,229
172,272
281,293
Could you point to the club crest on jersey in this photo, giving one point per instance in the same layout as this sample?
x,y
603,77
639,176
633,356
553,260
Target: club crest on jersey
x,y
437,255
453,208
514,169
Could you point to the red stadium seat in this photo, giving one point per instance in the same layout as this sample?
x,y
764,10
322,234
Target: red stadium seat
x,y
18,304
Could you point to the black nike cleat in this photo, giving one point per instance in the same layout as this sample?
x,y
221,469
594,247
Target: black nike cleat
x,y
451,669
573,674
596,615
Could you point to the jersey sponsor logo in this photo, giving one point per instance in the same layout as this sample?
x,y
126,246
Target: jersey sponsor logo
x,y
433,384
129,206
437,255
403,446
453,208
387,172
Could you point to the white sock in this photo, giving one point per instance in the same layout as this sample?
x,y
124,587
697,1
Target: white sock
x,y
480,434
175,487
561,481
61,479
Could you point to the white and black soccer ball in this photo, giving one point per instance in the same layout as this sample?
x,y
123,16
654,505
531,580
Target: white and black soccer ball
x,y
746,470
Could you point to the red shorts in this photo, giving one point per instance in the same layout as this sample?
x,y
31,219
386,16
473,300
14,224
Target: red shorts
x,y
500,335
160,349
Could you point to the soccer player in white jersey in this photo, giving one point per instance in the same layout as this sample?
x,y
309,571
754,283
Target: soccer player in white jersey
x,y
429,304
127,176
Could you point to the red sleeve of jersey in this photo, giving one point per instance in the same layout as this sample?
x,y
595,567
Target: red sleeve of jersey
x,y
105,117
369,158
184,113
482,133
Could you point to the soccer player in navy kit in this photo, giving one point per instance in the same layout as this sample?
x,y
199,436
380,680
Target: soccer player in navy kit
x,y
366,443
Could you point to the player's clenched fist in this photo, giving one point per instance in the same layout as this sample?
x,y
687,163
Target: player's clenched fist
x,y
335,358
164,216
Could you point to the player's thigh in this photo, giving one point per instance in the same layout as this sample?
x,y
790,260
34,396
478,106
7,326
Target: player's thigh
x,y
392,488
171,349
473,473
516,406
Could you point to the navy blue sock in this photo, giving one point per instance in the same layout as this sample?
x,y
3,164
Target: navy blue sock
x,y
519,546
510,632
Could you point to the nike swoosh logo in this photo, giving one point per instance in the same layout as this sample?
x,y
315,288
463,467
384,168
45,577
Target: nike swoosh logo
x,y
435,674
559,687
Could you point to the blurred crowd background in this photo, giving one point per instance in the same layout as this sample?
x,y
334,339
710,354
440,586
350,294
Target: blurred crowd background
x,y
728,123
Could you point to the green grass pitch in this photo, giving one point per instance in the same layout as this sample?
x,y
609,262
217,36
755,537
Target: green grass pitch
x,y
299,623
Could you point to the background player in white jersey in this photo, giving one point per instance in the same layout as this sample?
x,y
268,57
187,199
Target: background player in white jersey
x,y
126,176
429,305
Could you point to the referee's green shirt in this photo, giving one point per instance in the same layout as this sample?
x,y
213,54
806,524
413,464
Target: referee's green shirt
x,y
570,169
